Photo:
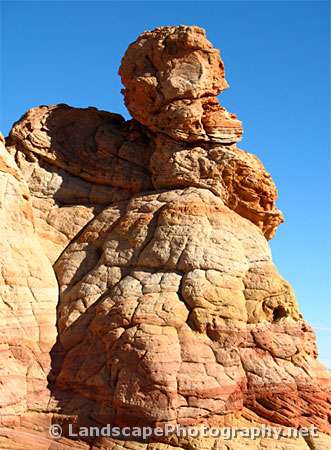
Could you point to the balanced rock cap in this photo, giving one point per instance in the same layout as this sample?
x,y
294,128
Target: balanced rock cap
x,y
172,76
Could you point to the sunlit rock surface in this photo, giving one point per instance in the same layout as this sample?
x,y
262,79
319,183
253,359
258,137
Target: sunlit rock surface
x,y
167,305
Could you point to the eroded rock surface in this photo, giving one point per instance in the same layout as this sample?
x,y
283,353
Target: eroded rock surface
x,y
75,161
172,76
169,307
236,176
189,315
28,298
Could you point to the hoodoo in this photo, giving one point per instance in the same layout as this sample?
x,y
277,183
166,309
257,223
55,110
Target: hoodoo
x,y
137,283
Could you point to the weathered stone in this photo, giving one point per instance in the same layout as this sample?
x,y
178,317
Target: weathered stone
x,y
170,309
28,298
172,76
238,177
75,161
182,263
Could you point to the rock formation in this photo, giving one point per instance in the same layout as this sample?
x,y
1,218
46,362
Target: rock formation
x,y
75,161
169,309
172,76
28,295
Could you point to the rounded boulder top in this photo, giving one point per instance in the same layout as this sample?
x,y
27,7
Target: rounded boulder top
x,y
173,71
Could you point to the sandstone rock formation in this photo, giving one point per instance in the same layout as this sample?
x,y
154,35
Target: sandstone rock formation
x,y
28,298
172,76
74,162
169,308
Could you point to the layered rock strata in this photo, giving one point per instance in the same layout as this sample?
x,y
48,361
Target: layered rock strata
x,y
170,310
28,297
172,77
75,161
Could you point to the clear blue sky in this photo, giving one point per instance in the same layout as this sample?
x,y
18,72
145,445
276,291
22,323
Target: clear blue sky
x,y
276,60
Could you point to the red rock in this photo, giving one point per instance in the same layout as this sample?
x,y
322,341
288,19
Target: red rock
x,y
170,310
28,294
172,76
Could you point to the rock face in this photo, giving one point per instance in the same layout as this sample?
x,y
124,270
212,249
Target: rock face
x,y
75,161
237,177
28,298
172,76
169,308
190,317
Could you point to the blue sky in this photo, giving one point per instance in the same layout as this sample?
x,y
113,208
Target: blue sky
x,y
277,64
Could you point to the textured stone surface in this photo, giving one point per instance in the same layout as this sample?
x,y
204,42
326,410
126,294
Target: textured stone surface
x,y
32,432
236,176
172,76
75,161
28,298
190,318
97,146
169,308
